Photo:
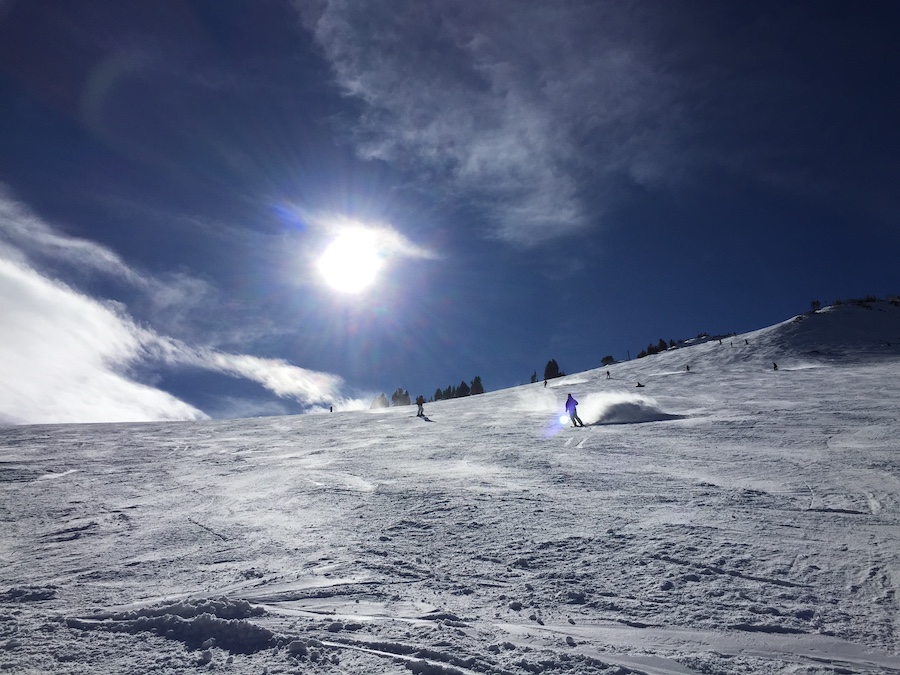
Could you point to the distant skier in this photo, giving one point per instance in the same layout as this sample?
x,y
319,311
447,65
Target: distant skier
x,y
420,401
639,384
607,375
774,366
688,368
571,404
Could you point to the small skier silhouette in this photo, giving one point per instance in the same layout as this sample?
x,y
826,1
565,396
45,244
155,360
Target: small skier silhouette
x,y
607,375
571,404
774,366
420,401
639,384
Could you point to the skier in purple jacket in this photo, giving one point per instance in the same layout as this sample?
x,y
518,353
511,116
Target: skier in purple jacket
x,y
573,414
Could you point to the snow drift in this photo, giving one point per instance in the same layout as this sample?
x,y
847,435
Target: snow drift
x,y
621,408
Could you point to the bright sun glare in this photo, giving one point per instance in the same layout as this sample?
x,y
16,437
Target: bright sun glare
x,y
351,262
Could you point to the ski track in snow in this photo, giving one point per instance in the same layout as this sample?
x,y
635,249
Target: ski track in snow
x,y
730,519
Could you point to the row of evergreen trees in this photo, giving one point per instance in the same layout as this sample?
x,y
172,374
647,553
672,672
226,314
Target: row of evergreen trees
x,y
660,346
471,389
402,397
399,397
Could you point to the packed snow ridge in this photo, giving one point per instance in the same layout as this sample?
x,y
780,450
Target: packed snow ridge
x,y
729,517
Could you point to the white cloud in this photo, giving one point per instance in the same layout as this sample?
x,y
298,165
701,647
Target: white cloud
x,y
506,104
66,357
63,356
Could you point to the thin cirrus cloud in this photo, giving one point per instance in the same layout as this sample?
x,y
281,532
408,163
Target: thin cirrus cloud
x,y
389,242
68,357
26,237
505,105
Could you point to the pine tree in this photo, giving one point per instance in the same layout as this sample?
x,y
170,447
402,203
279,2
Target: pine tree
x,y
551,370
477,387
400,397
463,389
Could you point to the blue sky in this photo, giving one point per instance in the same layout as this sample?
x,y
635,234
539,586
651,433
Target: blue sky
x,y
546,180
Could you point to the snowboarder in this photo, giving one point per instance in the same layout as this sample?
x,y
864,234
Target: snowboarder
x,y
573,413
639,384
420,401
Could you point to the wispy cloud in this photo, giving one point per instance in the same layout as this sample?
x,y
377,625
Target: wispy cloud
x,y
538,112
390,242
504,104
24,235
283,379
171,297
68,357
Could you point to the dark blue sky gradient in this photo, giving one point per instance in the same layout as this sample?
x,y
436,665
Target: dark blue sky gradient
x,y
724,163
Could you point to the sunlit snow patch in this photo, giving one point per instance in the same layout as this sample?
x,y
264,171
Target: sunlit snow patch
x,y
53,474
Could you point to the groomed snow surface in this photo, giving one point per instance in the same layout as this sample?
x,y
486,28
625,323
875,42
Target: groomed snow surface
x,y
730,519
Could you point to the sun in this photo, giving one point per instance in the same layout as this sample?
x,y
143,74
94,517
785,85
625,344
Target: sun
x,y
351,263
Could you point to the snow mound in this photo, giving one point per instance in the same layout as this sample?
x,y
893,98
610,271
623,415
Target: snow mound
x,y
221,622
621,408
223,608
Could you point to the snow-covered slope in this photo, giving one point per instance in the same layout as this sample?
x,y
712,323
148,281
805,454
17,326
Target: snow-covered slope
x,y
727,519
